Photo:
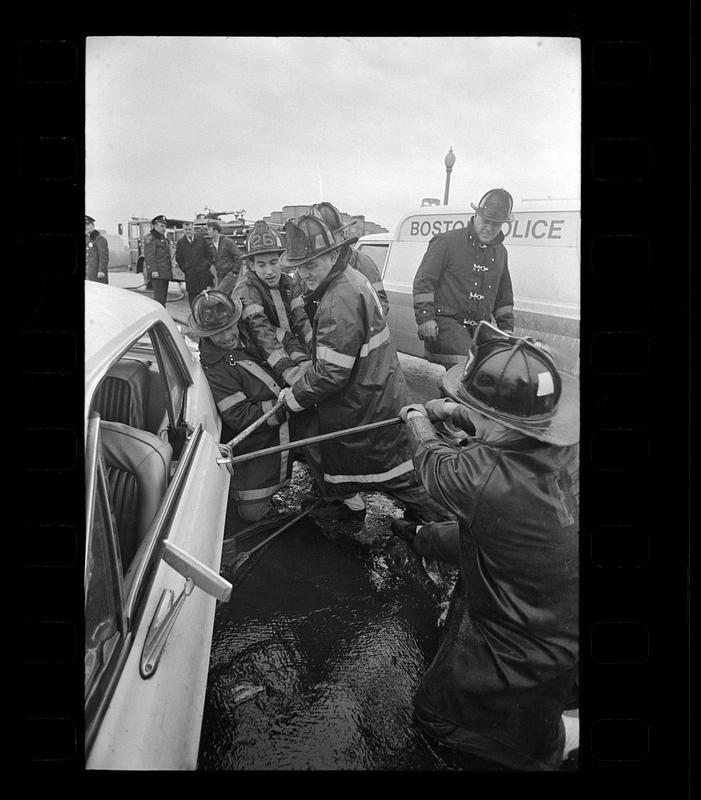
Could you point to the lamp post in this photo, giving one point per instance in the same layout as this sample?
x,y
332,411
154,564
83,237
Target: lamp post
x,y
449,161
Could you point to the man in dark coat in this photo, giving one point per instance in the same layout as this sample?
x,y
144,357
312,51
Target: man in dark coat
x,y
227,258
506,667
355,379
97,254
193,254
273,309
157,261
244,388
463,279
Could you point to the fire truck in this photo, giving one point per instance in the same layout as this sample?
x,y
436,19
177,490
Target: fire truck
x,y
137,228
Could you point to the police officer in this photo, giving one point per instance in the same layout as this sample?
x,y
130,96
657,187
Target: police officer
x,y
97,254
463,279
273,309
354,258
506,668
158,265
244,388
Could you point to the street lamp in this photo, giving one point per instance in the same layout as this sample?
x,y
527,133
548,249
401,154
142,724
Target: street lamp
x,y
449,161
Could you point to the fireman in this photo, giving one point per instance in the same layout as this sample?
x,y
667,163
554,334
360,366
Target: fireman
x,y
244,388
463,279
506,668
354,258
273,309
355,379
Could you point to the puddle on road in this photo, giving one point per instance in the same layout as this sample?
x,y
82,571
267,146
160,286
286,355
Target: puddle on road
x,y
338,640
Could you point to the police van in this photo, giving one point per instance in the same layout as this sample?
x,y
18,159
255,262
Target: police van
x,y
542,243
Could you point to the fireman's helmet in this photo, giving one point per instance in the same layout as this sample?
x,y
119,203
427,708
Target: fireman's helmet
x,y
495,206
213,312
513,381
159,218
262,239
307,238
332,217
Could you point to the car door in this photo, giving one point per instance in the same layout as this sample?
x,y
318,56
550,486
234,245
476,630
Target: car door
x,y
150,714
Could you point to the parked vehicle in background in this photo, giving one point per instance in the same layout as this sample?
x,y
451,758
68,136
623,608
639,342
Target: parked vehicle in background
x,y
155,512
544,263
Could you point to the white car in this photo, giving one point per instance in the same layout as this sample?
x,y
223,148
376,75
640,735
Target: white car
x,y
155,511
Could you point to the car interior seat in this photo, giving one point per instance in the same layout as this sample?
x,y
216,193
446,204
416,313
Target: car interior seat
x,y
123,394
138,467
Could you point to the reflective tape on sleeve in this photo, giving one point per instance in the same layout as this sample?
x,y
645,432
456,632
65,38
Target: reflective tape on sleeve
x,y
249,311
375,341
230,401
326,354
291,401
424,297
275,357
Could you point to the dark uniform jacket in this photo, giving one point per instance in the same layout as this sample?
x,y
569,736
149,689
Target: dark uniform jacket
x,y
366,266
459,283
276,320
227,262
244,388
355,379
97,256
507,662
193,259
157,255
363,264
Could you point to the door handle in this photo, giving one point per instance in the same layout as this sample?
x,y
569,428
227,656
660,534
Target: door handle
x,y
160,628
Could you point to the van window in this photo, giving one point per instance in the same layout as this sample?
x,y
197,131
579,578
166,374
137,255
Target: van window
x,y
377,252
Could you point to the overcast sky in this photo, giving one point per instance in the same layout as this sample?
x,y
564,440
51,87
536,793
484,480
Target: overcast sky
x,y
174,124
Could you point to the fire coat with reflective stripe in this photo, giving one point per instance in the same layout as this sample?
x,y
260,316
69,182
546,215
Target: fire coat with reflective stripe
x,y
276,320
355,379
244,388
460,278
366,266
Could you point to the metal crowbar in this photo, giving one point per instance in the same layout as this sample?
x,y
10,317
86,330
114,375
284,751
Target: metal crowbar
x,y
241,559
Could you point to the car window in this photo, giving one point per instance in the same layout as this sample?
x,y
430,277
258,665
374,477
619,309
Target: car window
x,y
377,252
176,377
104,625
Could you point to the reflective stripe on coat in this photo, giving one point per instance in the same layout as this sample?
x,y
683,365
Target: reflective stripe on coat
x,y
242,397
355,379
276,320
